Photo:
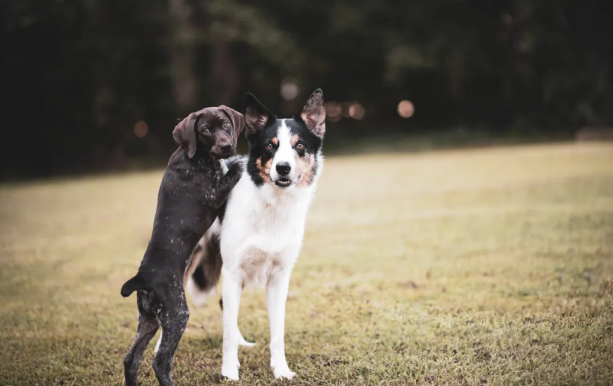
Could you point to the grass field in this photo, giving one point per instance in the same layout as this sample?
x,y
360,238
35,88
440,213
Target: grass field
x,y
472,267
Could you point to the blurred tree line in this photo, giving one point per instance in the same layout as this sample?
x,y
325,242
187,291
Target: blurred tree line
x,y
78,75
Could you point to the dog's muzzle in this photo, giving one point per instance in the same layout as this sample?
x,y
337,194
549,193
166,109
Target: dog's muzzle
x,y
283,170
224,151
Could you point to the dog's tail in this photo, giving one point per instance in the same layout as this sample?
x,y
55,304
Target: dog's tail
x,y
134,284
207,259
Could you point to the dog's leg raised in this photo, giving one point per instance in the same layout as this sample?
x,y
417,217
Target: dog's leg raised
x,y
276,296
147,327
231,292
173,316
227,183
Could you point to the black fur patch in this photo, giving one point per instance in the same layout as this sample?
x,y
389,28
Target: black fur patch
x,y
262,148
198,277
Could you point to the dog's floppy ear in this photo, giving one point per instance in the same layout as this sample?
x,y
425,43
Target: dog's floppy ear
x,y
314,113
237,119
185,134
256,115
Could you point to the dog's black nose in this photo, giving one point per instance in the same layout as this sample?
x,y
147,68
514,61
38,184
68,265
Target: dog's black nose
x,y
283,168
226,148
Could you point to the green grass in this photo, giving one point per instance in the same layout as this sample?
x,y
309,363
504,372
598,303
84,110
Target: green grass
x,y
490,266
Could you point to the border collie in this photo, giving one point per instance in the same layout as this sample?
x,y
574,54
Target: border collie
x,y
260,234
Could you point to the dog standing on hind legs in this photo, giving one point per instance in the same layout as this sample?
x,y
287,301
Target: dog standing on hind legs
x,y
262,227
193,190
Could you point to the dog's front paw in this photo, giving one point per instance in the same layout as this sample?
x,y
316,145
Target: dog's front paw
x,y
236,170
230,371
282,371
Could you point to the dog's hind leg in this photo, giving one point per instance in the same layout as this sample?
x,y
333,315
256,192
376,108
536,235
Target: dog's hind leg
x,y
147,327
173,317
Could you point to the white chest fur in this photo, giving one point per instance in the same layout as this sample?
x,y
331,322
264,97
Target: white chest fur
x,y
263,229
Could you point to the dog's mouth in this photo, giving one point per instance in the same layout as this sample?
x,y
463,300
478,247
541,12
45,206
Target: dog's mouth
x,y
283,182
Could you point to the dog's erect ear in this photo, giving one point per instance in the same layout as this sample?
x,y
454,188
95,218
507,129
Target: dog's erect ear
x,y
237,119
185,134
256,115
314,113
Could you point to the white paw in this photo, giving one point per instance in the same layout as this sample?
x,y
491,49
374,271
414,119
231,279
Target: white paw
x,y
230,372
244,343
282,371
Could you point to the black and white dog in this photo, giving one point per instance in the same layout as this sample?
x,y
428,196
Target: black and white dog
x,y
260,234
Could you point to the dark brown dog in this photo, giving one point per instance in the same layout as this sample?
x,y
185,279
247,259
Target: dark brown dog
x,y
193,189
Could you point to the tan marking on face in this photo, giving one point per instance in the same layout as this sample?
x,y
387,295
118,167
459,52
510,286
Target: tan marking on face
x,y
295,138
275,141
305,166
264,170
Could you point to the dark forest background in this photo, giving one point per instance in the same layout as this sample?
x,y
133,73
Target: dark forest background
x,y
96,85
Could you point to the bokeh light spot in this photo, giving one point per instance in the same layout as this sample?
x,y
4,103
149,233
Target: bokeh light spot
x,y
356,111
333,111
141,129
406,109
289,89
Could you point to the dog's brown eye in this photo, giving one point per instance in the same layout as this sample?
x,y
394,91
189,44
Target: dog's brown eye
x,y
269,146
206,131
300,146
226,125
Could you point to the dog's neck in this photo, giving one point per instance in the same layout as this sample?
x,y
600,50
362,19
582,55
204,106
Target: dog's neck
x,y
273,196
204,161
200,164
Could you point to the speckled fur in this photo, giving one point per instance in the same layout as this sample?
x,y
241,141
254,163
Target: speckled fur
x,y
192,192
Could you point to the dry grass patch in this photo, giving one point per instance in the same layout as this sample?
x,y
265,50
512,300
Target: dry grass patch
x,y
474,267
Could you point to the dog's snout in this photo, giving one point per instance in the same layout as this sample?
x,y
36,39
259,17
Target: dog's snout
x,y
226,148
283,168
